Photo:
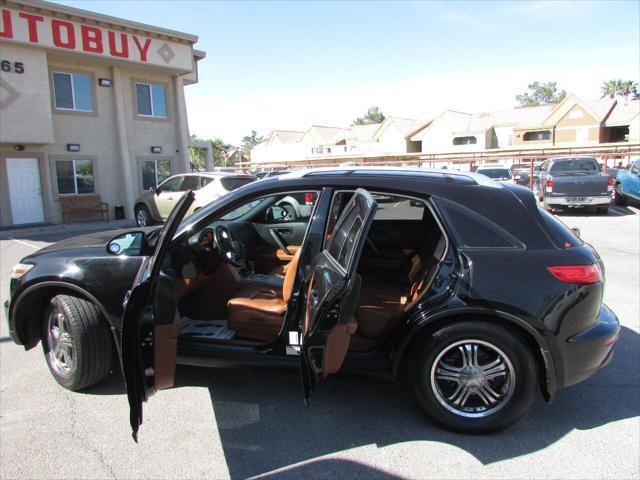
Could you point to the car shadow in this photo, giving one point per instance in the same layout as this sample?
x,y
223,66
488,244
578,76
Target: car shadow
x,y
265,429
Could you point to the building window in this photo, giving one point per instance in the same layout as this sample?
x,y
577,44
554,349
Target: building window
x,y
154,172
151,100
74,176
537,136
465,141
73,91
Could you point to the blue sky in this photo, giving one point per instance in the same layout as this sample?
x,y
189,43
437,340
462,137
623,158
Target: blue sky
x,y
289,64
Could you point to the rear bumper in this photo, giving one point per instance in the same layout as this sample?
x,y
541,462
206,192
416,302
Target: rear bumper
x,y
578,201
591,350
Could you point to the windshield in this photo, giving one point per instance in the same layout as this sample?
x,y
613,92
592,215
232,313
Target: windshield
x,y
496,173
575,165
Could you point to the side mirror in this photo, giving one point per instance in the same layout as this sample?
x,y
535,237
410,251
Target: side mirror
x,y
576,231
129,244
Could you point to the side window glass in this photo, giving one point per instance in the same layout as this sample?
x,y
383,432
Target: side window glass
x,y
190,182
636,167
340,200
398,208
473,231
171,185
204,181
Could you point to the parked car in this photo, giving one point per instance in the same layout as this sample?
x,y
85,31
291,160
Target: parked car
x,y
627,184
574,182
522,172
155,205
420,286
496,171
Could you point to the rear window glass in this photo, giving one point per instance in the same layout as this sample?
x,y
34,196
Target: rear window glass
x,y
562,235
472,231
231,183
575,165
190,182
496,173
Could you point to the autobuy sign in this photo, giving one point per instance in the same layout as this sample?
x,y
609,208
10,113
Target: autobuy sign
x,y
61,34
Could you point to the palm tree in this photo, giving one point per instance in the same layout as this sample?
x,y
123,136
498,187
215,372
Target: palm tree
x,y
611,88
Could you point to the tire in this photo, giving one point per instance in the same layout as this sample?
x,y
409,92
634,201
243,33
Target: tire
x,y
143,216
514,389
619,197
603,210
546,206
85,359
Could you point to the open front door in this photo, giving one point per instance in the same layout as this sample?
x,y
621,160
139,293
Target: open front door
x,y
332,293
149,335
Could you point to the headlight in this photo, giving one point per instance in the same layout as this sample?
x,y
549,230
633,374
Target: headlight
x,y
20,269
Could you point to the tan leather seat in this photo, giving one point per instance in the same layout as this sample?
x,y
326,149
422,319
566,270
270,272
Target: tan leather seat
x,y
257,312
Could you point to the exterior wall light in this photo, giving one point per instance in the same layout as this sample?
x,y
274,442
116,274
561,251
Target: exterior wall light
x,y
156,149
104,82
73,147
19,148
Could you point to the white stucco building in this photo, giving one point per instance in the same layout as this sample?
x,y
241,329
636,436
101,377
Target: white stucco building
x,y
89,104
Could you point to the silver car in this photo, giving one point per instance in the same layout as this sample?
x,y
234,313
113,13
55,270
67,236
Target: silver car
x,y
154,206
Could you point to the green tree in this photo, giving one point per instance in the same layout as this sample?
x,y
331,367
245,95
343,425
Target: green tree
x,y
250,141
373,115
198,156
611,88
540,94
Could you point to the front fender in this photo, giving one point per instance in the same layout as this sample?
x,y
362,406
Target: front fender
x,y
26,306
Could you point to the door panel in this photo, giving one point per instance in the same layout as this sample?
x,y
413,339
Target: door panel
x,y
23,177
332,293
149,335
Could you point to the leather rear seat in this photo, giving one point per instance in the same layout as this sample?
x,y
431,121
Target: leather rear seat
x,y
382,303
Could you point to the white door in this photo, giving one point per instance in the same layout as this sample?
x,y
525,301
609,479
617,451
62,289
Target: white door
x,y
25,193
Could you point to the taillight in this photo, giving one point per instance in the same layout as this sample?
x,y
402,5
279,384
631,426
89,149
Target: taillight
x,y
549,184
610,184
309,197
578,274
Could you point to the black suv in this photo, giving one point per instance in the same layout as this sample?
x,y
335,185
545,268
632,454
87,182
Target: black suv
x,y
461,282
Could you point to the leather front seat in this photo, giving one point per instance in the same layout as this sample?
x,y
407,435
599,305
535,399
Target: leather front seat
x,y
257,312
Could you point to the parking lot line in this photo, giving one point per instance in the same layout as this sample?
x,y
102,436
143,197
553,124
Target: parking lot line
x,y
24,243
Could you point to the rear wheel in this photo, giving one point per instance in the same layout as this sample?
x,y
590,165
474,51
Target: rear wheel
x,y
474,377
76,342
143,216
619,197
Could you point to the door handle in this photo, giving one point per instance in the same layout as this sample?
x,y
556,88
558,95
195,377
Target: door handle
x,y
285,232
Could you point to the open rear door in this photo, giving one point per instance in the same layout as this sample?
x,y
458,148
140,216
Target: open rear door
x,y
149,335
332,293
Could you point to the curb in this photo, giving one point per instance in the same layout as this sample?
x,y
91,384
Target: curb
x,y
66,227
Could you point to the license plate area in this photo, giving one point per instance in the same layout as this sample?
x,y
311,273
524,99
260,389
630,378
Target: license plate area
x,y
578,199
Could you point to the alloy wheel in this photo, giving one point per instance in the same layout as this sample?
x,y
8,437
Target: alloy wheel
x,y
472,378
141,218
61,354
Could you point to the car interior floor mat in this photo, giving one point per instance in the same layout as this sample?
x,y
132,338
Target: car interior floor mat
x,y
213,329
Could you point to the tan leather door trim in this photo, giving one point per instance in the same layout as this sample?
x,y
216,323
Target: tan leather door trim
x,y
165,354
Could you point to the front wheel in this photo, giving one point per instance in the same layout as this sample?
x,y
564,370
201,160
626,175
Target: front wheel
x,y
76,342
474,377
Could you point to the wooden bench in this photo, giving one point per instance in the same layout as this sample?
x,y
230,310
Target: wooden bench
x,y
79,204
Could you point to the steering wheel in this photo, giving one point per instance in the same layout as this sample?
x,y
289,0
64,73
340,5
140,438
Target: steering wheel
x,y
229,246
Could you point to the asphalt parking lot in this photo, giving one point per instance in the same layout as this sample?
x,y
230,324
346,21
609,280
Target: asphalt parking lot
x,y
241,423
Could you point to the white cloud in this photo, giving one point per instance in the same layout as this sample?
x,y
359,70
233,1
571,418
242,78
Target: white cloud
x,y
422,97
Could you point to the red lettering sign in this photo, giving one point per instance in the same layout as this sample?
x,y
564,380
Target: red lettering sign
x,y
56,30
7,27
144,49
124,45
32,23
91,39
